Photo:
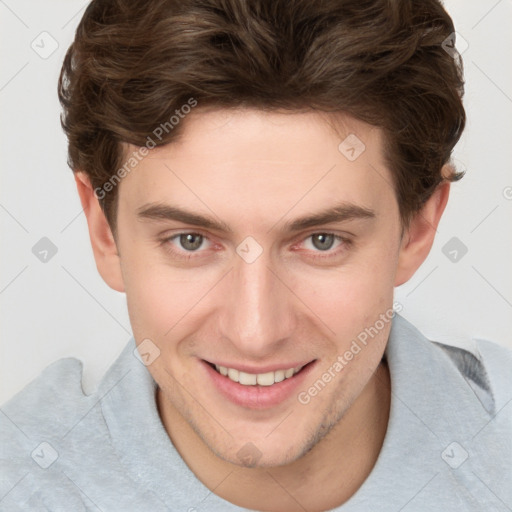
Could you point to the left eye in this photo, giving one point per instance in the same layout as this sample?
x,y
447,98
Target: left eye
x,y
323,241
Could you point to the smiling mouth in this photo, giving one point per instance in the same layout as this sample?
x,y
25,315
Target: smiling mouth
x,y
258,379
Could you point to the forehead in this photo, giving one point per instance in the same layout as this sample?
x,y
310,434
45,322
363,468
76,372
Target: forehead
x,y
259,164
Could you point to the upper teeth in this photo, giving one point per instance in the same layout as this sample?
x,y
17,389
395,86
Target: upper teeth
x,y
251,379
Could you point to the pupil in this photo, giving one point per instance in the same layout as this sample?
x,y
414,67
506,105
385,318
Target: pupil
x,y
323,241
190,241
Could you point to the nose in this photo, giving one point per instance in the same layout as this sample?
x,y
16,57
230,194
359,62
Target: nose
x,y
257,314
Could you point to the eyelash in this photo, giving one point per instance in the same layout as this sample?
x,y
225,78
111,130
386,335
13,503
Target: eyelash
x,y
345,243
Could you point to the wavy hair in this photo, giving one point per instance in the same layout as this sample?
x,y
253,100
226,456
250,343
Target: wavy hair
x,y
133,63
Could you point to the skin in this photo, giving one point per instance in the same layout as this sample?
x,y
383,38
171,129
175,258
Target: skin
x,y
256,171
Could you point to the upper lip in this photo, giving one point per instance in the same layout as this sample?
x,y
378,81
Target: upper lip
x,y
261,369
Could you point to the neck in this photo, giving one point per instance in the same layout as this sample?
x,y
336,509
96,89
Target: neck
x,y
327,476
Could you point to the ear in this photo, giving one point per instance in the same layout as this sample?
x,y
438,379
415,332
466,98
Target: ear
x,y
419,236
103,243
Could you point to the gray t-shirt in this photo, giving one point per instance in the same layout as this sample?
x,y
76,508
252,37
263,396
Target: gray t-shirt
x,y
448,444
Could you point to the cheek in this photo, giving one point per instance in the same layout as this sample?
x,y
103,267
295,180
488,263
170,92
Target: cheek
x,y
352,297
157,297
165,304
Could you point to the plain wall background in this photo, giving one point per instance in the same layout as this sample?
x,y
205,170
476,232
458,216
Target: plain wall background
x,y
63,308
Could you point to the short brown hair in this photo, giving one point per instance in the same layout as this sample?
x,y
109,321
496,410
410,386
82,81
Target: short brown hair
x,y
133,63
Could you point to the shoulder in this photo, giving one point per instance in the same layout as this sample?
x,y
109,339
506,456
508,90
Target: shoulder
x,y
480,369
63,449
486,367
47,402
451,415
30,423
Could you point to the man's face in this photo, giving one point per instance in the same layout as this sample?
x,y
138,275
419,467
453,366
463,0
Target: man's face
x,y
257,291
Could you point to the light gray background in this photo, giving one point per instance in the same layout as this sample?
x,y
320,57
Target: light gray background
x,y
63,308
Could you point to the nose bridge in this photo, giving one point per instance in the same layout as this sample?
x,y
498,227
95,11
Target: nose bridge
x,y
256,315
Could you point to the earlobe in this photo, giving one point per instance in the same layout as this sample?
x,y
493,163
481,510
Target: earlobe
x,y
103,243
419,236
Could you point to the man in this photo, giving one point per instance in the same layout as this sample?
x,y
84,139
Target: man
x,y
257,178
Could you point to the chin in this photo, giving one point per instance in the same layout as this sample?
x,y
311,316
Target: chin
x,y
258,454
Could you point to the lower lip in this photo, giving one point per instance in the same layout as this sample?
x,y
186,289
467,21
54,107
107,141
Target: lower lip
x,y
257,397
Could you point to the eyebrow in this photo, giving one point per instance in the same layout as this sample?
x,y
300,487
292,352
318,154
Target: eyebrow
x,y
339,213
